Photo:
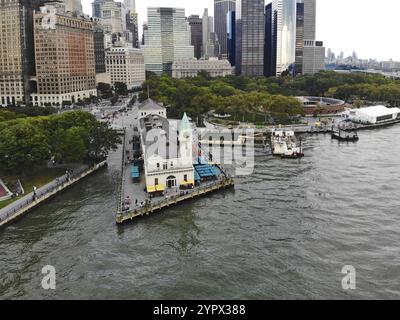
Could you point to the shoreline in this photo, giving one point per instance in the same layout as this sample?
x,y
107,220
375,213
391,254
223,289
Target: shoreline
x,y
28,205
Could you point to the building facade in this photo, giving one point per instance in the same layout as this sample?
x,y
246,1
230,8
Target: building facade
x,y
167,39
313,57
191,68
99,48
196,30
284,20
132,23
112,16
167,151
210,39
308,51
73,6
269,44
231,36
250,29
16,52
299,38
221,9
126,65
65,58
96,8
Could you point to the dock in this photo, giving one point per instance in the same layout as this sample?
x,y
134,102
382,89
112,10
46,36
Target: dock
x,y
151,207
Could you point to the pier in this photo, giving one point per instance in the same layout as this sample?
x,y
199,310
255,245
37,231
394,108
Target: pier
x,y
152,206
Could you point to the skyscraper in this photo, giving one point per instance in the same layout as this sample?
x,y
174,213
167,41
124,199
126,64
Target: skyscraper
x,y
96,8
231,35
132,23
196,30
167,39
17,62
284,29
310,54
210,39
99,53
112,16
221,9
299,38
270,44
65,58
250,29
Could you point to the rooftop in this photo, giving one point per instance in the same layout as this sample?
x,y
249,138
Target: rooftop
x,y
150,104
378,111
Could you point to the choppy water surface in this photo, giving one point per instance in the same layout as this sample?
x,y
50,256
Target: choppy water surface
x,y
284,232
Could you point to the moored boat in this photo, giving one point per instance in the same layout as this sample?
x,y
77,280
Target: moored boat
x,y
345,137
285,145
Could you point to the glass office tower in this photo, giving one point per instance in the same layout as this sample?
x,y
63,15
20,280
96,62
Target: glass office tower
x,y
221,9
284,22
231,33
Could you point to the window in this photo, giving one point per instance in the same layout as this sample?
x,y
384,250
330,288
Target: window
x,y
156,181
185,178
165,166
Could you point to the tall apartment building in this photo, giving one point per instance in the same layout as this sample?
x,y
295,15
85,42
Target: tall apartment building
x,y
221,9
167,39
308,51
16,51
196,30
126,65
65,59
250,30
284,32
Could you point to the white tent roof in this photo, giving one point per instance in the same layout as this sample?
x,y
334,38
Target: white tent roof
x,y
378,111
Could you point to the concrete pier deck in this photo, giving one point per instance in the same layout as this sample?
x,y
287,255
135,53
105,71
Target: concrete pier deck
x,y
173,198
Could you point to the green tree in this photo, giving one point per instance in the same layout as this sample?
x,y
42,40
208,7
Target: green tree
x,y
104,90
102,139
23,147
121,88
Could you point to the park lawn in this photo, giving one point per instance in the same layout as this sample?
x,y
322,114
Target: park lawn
x,y
38,179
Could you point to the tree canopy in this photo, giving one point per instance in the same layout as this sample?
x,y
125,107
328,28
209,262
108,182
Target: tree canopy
x,y
270,96
27,143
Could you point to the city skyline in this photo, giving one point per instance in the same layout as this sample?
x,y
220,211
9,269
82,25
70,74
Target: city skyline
x,y
336,26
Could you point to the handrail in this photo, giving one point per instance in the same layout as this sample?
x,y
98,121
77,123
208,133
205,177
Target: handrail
x,y
42,194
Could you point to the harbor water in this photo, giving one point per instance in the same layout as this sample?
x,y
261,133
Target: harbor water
x,y
284,232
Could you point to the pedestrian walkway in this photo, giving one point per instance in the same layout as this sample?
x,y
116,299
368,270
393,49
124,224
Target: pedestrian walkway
x,y
41,194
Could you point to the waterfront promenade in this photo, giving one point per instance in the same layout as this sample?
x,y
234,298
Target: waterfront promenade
x,y
31,200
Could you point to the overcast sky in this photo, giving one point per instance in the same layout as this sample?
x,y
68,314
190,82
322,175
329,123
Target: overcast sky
x,y
369,27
